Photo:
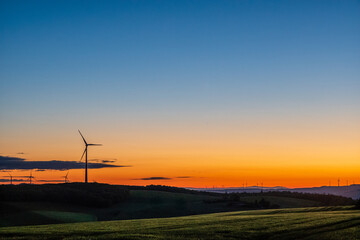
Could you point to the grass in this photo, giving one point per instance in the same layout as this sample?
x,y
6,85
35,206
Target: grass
x,y
67,216
154,204
35,213
141,204
282,202
300,223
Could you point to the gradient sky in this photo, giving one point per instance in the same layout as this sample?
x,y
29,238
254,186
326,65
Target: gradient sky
x,y
206,93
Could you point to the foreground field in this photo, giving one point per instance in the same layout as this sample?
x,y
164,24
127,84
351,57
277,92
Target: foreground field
x,y
301,223
141,204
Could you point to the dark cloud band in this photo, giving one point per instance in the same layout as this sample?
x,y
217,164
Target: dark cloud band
x,y
14,163
153,178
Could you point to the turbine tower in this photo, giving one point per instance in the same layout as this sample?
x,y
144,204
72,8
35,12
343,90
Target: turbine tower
x,y
31,177
11,177
86,154
66,180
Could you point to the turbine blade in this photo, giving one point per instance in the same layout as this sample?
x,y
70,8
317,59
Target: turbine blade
x,y
67,174
92,144
83,138
83,154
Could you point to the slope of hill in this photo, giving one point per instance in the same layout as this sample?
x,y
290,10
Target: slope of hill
x,y
331,223
146,202
139,204
351,191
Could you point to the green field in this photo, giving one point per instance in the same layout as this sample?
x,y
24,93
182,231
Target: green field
x,y
300,223
141,204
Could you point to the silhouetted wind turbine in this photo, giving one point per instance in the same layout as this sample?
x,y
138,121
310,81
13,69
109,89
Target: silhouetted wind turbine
x,y
10,176
86,153
31,177
66,178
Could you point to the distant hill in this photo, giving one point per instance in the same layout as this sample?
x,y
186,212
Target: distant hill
x,y
351,191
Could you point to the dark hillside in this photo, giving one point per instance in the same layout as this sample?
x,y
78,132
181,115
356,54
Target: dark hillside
x,y
90,195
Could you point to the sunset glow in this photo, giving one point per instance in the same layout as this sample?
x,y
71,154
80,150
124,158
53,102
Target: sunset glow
x,y
190,96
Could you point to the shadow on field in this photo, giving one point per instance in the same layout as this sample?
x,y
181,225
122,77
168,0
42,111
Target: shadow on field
x,y
313,231
292,210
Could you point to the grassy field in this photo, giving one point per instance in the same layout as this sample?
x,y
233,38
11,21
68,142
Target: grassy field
x,y
300,223
141,204
282,202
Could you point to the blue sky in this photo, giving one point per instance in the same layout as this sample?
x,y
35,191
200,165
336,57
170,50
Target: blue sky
x,y
70,63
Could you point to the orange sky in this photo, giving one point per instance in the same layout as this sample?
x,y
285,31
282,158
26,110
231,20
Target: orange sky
x,y
296,154
204,93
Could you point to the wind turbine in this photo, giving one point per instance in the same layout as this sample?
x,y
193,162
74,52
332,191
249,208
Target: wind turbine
x,y
66,180
31,177
10,176
86,153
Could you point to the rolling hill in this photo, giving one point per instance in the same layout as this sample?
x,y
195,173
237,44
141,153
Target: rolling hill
x,y
330,223
351,191
30,208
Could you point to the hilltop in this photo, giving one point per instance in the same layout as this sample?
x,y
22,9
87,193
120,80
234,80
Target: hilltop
x,y
351,191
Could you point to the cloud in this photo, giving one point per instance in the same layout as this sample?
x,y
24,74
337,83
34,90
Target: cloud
x,y
102,160
13,180
21,153
160,178
153,178
15,163
107,161
51,181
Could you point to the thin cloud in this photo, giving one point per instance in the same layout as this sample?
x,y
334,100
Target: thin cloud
x,y
184,177
153,178
13,180
14,177
51,181
102,160
15,163
108,161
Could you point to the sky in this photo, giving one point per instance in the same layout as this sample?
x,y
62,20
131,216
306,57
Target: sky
x,y
181,93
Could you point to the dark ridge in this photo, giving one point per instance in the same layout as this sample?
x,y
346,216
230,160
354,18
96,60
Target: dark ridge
x,y
170,189
322,199
90,194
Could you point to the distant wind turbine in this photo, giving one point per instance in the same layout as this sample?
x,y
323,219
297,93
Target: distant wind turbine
x,y
66,180
10,176
86,154
30,177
